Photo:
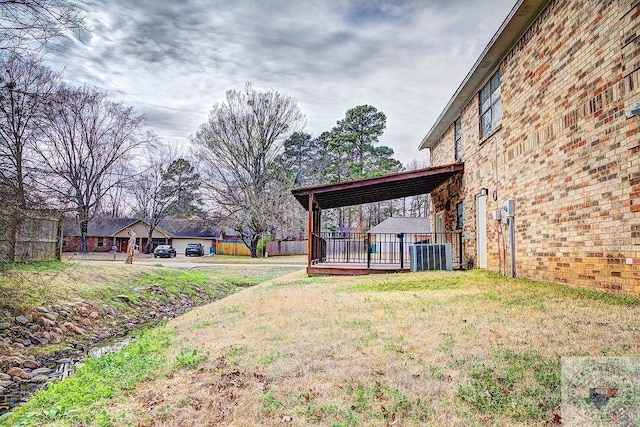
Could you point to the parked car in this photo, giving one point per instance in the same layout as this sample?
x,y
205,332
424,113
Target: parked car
x,y
164,251
194,249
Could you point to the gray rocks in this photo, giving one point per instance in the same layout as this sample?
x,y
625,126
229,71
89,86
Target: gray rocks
x,y
23,320
18,373
41,371
124,298
40,379
51,316
31,364
46,323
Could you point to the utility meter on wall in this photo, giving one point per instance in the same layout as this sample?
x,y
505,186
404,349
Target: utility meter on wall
x,y
508,207
509,211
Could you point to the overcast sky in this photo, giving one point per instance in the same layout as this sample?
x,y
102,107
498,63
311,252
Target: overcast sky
x,y
172,60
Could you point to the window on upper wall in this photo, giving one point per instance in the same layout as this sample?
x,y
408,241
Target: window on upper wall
x,y
459,216
458,135
490,105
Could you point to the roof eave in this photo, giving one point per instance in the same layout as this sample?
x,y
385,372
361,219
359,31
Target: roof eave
x,y
131,224
514,26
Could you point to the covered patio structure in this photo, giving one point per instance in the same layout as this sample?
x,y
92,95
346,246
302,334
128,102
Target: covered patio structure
x,y
355,253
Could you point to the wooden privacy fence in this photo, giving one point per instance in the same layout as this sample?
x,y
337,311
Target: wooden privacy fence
x,y
286,247
30,235
232,248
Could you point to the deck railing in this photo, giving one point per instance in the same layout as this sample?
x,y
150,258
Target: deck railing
x,y
379,248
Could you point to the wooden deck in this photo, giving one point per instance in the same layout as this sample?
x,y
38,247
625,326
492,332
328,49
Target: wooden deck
x,y
354,269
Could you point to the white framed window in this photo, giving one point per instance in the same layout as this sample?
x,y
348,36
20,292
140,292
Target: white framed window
x,y
490,105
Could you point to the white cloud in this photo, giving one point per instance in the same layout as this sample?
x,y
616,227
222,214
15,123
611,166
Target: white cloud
x,y
174,60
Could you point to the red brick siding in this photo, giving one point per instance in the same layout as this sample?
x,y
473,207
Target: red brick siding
x,y
74,244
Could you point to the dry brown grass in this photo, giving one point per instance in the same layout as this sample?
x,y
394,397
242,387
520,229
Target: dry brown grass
x,y
379,350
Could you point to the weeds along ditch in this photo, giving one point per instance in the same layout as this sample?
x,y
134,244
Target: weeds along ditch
x,y
52,315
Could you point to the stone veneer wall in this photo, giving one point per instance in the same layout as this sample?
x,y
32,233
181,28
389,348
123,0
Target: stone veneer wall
x,y
565,152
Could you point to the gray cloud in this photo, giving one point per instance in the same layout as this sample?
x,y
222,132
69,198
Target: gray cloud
x,y
174,60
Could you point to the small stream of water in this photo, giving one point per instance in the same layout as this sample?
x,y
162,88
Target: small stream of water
x,y
54,370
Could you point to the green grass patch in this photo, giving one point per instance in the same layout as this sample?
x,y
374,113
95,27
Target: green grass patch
x,y
427,281
174,281
322,413
201,324
248,275
270,404
236,352
29,285
268,358
235,308
39,267
189,358
518,386
238,259
382,402
81,398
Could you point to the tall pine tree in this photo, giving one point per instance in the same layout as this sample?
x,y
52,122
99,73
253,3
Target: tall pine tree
x,y
183,181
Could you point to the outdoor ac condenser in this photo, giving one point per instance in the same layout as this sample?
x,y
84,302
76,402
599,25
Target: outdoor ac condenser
x,y
430,257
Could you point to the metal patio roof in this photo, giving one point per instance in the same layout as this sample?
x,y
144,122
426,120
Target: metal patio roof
x,y
387,187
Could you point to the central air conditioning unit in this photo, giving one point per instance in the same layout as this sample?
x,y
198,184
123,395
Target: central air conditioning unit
x,y
431,257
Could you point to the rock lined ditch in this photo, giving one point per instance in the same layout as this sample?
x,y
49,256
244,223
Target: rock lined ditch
x,y
42,345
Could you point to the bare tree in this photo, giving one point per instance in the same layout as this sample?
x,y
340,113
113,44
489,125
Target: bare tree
x,y
29,25
239,145
87,137
418,205
26,87
117,202
152,190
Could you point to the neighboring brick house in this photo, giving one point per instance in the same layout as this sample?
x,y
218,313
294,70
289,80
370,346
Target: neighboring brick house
x,y
540,119
104,233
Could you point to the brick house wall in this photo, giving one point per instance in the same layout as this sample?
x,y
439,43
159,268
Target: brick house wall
x,y
565,151
74,244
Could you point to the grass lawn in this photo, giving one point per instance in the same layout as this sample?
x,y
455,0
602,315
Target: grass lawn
x,y
24,286
432,348
234,259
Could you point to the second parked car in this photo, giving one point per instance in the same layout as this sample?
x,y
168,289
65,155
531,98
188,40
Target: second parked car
x,y
194,249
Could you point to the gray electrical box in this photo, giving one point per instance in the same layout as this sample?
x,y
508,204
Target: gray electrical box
x,y
508,207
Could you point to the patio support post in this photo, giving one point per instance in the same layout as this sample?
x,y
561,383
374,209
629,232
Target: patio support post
x,y
319,241
310,228
401,237
368,250
314,244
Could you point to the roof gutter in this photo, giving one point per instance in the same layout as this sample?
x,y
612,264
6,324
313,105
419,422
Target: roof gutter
x,y
512,29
